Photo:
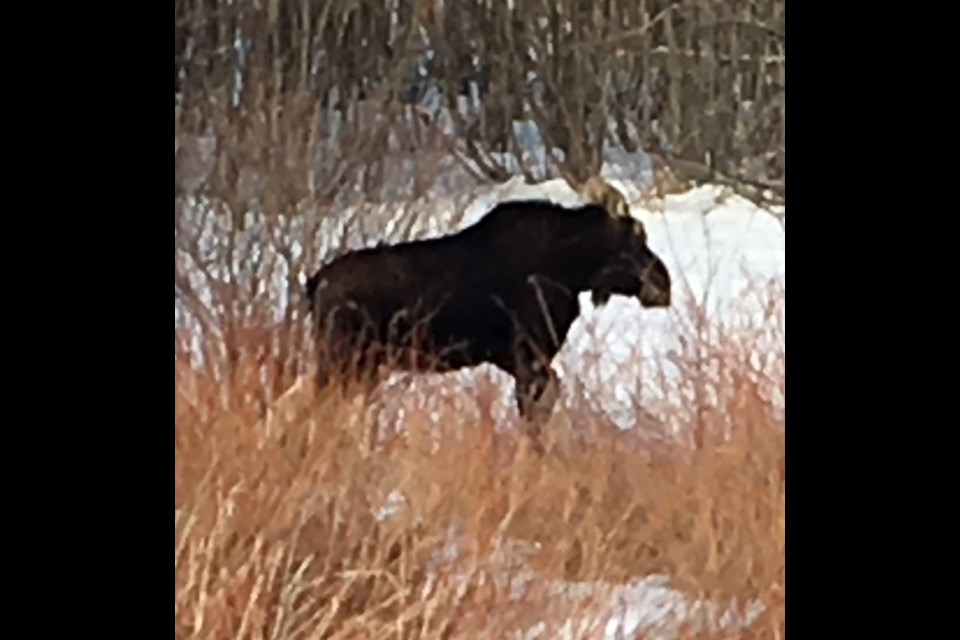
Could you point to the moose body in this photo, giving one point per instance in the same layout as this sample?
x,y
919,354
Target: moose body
x,y
503,291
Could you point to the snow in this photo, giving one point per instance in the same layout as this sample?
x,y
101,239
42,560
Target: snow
x,y
645,607
650,606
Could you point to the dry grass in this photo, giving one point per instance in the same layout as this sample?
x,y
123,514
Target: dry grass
x,y
278,536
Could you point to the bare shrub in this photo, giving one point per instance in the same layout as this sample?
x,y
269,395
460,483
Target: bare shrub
x,y
697,86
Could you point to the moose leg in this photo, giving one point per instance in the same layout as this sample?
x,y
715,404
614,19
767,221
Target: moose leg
x,y
348,367
537,391
346,356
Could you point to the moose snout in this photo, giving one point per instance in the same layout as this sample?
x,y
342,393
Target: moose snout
x,y
656,285
657,298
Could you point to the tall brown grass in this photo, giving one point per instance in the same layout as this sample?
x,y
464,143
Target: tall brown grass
x,y
281,532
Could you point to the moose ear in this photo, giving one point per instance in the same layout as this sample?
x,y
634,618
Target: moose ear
x,y
596,190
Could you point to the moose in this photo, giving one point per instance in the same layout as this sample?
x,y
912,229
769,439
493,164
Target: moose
x,y
502,291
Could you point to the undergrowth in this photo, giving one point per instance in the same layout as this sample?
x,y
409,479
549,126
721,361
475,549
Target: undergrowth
x,y
290,526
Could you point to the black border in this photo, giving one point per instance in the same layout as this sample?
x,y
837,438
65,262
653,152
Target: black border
x,y
100,392
107,411
853,384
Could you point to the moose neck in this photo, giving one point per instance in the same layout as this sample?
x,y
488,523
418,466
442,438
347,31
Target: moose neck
x,y
584,257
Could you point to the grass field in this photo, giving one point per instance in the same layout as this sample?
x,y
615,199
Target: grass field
x,y
289,525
